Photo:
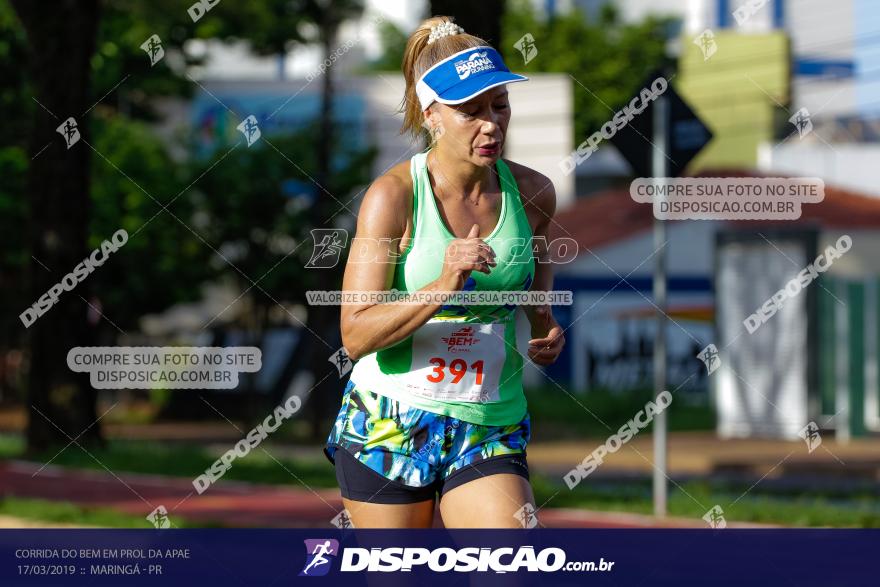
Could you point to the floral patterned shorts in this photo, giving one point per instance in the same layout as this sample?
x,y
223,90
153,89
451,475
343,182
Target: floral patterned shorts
x,y
396,453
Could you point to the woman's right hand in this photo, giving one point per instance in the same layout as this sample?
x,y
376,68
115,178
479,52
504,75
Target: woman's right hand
x,y
464,255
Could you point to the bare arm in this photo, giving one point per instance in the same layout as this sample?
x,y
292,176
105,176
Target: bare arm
x,y
548,337
371,264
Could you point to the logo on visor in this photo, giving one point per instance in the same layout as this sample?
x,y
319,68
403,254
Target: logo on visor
x,y
475,63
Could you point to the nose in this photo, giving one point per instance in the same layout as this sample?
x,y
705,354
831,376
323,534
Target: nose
x,y
490,123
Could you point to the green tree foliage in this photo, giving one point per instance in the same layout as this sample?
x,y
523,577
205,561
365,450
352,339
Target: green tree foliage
x,y
393,42
164,262
131,174
607,59
244,209
16,105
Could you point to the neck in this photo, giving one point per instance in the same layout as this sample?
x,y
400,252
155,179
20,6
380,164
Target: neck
x,y
458,176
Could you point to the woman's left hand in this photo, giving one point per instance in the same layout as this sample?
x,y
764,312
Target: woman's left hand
x,y
549,337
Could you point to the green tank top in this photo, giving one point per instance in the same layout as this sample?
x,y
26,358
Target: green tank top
x,y
465,362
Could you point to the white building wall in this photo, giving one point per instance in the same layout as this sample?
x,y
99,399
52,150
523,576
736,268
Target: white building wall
x,y
689,251
852,166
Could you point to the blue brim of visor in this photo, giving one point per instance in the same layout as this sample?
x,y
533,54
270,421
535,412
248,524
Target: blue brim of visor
x,y
466,74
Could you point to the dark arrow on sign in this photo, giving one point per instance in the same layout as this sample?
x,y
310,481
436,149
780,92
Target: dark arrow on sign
x,y
686,135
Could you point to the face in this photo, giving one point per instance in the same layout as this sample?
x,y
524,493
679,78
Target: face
x,y
474,130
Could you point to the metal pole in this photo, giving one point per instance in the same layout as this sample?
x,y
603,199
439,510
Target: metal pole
x,y
658,168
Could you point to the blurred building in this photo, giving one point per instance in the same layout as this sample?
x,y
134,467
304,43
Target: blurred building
x,y
772,382
366,107
769,60
788,88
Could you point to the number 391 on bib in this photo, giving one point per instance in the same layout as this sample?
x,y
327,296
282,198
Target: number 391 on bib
x,y
457,361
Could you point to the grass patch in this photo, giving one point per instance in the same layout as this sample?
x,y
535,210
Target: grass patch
x,y
180,460
859,511
557,415
67,513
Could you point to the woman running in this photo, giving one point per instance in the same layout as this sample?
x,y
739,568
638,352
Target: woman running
x,y
435,402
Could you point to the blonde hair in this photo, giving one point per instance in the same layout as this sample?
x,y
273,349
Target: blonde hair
x,y
419,57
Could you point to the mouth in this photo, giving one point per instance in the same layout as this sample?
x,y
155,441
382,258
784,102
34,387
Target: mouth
x,y
489,149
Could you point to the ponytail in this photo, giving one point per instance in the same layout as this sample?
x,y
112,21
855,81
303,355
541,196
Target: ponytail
x,y
419,57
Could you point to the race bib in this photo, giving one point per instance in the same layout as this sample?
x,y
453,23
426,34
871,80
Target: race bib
x,y
457,361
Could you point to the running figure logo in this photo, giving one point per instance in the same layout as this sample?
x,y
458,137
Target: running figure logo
x,y
327,247
153,48
342,520
801,121
710,358
526,46
706,43
70,131
341,360
526,516
249,129
810,434
159,517
715,518
318,556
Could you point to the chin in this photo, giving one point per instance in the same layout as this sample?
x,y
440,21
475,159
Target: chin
x,y
486,160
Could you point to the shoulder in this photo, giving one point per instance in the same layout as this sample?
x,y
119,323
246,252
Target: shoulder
x,y
535,188
387,203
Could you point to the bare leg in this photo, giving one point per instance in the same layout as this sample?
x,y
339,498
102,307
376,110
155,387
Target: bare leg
x,y
380,515
492,501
